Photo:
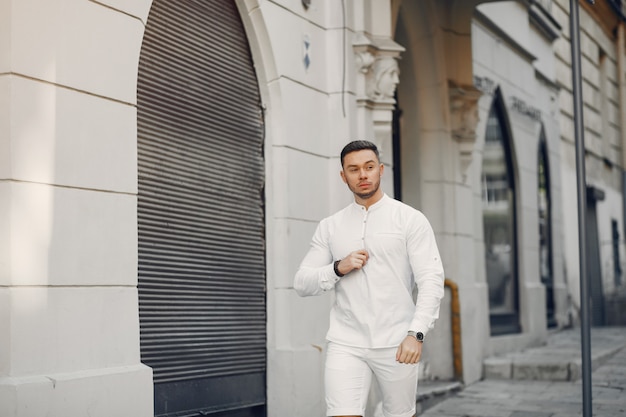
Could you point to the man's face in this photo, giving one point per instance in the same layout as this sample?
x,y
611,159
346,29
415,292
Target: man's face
x,y
361,172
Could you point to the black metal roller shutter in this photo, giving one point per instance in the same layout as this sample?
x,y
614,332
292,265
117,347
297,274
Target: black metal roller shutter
x,y
200,212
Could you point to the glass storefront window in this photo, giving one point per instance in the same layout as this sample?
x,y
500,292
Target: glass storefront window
x,y
498,195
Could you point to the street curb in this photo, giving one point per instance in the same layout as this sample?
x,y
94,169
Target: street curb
x,y
432,393
543,365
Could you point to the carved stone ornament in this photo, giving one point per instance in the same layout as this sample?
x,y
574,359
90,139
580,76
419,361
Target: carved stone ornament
x,y
376,61
464,112
383,79
463,119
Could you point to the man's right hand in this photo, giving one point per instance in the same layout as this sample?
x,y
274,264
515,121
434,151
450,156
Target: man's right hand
x,y
355,260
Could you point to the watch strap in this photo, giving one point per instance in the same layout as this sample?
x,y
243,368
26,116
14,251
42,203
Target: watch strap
x,y
336,268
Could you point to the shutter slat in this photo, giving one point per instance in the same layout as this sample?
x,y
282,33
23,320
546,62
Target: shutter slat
x,y
200,205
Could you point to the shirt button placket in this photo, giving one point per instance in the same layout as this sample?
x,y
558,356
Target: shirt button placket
x,y
365,213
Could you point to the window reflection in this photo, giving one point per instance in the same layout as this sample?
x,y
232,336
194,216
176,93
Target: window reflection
x,y
499,234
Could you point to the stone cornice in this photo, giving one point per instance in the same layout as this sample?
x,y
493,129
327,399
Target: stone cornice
x,y
544,22
512,43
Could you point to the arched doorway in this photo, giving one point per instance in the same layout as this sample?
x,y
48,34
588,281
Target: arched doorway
x,y
499,196
201,212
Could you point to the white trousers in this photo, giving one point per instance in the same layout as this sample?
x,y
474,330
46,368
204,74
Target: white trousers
x,y
348,377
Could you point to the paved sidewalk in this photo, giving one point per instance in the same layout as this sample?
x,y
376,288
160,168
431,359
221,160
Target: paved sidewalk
x,y
545,381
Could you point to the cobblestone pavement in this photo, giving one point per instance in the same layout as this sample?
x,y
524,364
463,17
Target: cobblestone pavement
x,y
542,398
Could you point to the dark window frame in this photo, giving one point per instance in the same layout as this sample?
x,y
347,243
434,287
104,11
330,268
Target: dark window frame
x,y
545,230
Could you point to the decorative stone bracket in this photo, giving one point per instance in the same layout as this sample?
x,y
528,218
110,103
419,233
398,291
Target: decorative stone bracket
x,y
463,119
376,61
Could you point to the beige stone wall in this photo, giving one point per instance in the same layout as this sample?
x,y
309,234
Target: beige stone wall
x,y
68,275
603,135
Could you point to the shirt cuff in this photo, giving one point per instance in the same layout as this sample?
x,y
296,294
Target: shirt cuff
x,y
328,278
417,326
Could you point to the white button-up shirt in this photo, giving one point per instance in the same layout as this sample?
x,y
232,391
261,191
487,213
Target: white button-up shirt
x,y
374,306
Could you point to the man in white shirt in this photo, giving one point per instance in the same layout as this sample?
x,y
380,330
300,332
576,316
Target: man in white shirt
x,y
372,253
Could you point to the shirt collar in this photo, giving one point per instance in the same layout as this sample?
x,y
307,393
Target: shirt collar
x,y
374,206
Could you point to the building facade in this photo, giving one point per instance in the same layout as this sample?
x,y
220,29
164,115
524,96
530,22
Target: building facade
x,y
163,166
515,187
602,59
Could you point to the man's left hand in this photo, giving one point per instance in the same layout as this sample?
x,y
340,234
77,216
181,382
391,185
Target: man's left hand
x,y
409,351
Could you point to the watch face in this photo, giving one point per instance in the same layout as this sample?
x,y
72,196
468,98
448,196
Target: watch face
x,y
419,336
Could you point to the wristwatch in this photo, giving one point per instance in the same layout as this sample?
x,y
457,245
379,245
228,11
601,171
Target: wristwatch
x,y
418,335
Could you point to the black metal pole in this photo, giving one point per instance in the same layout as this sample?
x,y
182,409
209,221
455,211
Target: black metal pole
x,y
585,332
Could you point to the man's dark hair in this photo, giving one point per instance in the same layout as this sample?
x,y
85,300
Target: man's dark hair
x,y
358,145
